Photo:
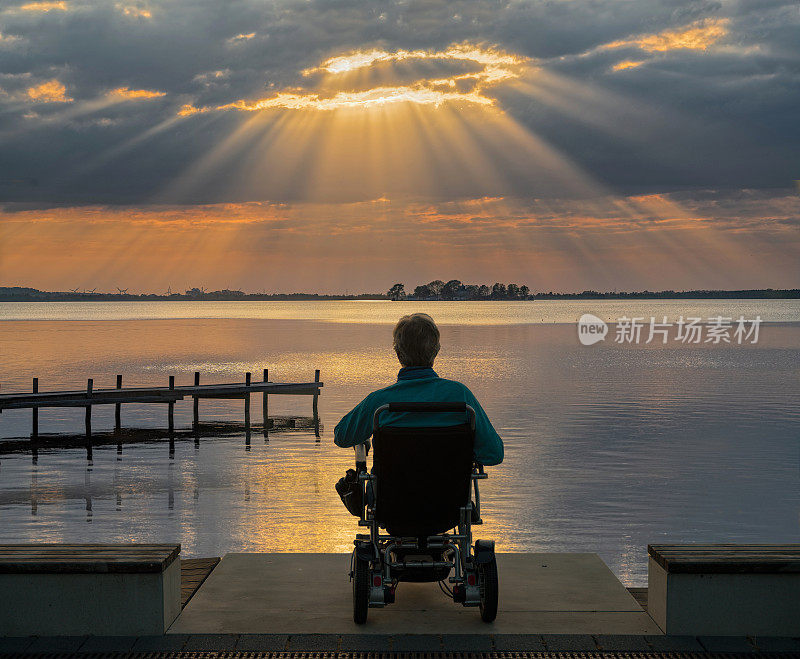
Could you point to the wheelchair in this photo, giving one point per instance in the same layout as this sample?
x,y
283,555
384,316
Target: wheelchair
x,y
419,491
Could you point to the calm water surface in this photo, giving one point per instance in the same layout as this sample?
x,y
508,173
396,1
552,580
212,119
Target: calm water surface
x,y
608,447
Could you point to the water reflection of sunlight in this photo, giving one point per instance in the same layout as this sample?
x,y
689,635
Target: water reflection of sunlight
x,y
365,312
592,436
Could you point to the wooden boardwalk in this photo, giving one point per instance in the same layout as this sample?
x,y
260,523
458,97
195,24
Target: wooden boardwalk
x,y
640,595
169,395
194,572
91,396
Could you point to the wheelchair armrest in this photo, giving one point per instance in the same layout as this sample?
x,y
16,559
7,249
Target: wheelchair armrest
x,y
362,450
477,472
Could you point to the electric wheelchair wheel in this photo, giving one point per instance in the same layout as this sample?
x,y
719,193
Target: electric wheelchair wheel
x,y
489,589
361,588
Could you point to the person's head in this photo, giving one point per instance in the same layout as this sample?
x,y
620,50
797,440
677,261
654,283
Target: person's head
x,y
416,340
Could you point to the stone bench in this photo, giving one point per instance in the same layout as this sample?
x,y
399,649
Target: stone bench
x,y
117,590
725,589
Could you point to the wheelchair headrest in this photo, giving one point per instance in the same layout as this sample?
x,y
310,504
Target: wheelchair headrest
x,y
427,408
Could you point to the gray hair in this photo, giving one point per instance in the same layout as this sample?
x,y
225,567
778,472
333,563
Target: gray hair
x,y
416,340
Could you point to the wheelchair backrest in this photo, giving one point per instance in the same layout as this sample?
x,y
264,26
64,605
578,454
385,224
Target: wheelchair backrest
x,y
423,475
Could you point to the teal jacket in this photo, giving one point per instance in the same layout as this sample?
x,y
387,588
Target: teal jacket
x,y
420,385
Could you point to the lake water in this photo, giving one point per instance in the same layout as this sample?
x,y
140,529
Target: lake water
x,y
608,447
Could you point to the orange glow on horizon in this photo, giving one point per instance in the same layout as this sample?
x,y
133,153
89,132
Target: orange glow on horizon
x,y
639,241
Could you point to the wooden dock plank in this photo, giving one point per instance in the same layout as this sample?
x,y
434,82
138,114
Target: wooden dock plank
x,y
86,558
168,395
194,572
640,595
85,402
153,394
727,558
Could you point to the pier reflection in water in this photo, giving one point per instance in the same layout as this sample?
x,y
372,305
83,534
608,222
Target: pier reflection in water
x,y
607,448
213,497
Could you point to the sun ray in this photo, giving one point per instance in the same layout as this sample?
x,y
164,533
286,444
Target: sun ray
x,y
227,151
104,157
357,134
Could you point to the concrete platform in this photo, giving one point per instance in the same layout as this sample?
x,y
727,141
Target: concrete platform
x,y
311,594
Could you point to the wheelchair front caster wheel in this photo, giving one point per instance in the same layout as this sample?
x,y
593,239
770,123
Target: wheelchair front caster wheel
x,y
361,588
489,589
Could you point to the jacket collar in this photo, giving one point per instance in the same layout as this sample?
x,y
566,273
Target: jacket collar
x,y
416,372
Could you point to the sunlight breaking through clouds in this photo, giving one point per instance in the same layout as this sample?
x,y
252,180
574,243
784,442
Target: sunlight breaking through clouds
x,y
492,66
51,91
187,110
497,64
135,94
626,64
58,5
525,137
377,96
695,36
135,12
242,37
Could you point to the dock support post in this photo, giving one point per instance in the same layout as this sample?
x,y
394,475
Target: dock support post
x,y
171,407
118,410
247,378
196,416
89,387
315,406
118,418
265,406
35,413
171,418
196,411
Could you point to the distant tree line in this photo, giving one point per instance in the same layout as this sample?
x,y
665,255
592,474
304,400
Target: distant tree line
x,y
703,294
21,294
455,290
435,290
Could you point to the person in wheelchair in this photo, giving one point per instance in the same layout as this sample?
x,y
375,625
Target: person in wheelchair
x,y
431,440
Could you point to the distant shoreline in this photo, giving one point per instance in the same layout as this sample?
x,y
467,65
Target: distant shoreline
x,y
19,294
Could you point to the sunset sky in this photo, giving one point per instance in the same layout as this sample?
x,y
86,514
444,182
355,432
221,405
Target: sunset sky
x,y
341,145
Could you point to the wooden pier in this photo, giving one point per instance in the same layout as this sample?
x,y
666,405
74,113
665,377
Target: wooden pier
x,y
168,395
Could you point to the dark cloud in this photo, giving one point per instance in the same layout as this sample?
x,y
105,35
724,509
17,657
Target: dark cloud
x,y
724,117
